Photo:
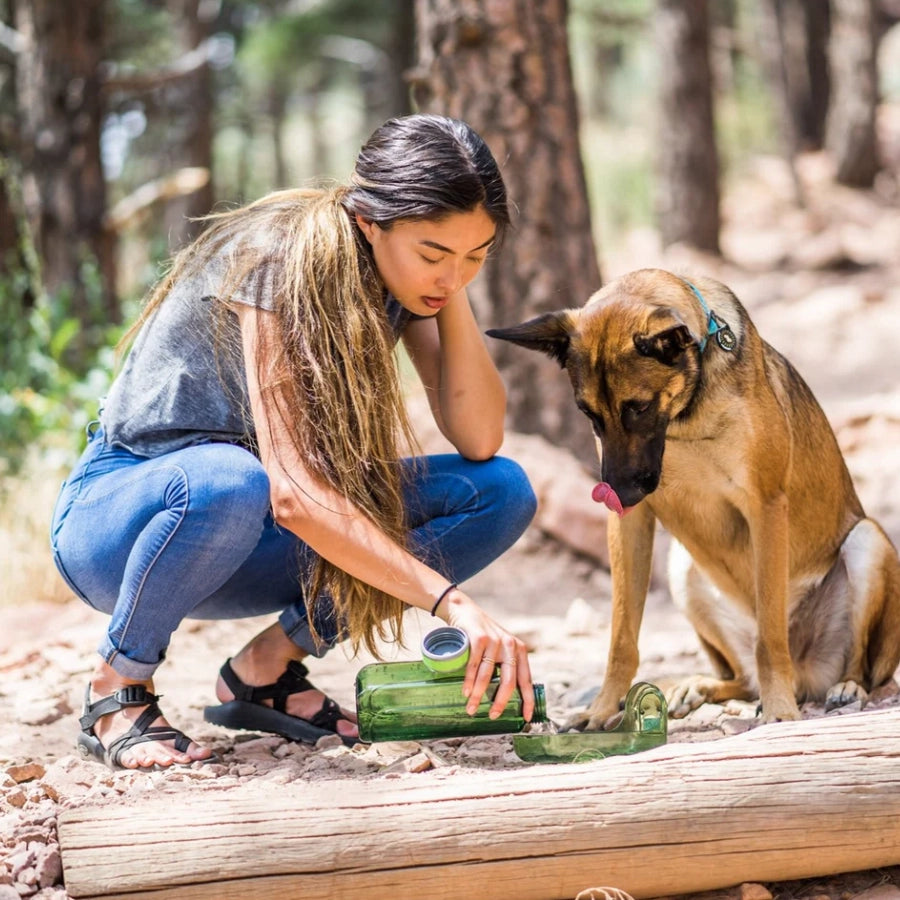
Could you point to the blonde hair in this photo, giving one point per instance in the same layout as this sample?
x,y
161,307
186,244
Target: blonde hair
x,y
330,376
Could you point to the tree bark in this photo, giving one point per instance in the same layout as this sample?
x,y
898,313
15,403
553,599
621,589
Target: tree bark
x,y
504,68
60,112
191,102
687,160
786,801
850,129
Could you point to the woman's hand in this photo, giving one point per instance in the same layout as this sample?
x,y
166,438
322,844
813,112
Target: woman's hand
x,y
490,645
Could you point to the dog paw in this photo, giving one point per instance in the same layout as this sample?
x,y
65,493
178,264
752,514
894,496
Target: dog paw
x,y
686,696
576,722
589,721
773,710
844,693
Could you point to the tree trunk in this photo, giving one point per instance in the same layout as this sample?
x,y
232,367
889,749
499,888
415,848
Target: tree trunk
x,y
504,68
60,111
402,57
786,801
191,102
815,108
687,159
850,132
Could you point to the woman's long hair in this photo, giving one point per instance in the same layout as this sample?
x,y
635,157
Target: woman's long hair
x,y
330,377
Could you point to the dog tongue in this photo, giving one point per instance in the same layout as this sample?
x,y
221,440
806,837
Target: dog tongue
x,y
603,493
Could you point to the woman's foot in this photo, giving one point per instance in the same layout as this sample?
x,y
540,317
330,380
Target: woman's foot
x,y
262,662
108,728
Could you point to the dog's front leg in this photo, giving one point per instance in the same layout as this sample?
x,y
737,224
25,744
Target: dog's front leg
x,y
771,550
630,541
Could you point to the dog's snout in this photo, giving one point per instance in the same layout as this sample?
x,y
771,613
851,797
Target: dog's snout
x,y
631,488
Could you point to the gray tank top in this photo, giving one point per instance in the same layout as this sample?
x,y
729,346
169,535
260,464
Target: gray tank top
x,y
176,388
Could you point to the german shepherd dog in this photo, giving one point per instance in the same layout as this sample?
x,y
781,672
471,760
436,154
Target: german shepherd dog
x,y
793,592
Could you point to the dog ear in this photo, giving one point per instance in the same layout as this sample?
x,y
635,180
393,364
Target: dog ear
x,y
667,346
550,333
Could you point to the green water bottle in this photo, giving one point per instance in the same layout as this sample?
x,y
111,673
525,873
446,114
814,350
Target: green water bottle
x,y
421,700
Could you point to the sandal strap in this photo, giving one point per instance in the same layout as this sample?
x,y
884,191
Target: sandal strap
x,y
139,733
328,716
128,696
292,681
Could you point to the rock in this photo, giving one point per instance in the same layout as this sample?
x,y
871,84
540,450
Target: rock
x,y
582,618
26,772
49,867
753,891
16,798
880,892
420,762
329,741
394,750
19,862
731,725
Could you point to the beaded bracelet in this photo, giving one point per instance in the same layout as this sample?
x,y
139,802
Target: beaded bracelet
x,y
437,603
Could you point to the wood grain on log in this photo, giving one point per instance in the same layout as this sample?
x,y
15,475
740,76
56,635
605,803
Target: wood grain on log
x,y
791,800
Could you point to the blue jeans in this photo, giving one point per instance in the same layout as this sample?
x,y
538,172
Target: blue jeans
x,y
189,534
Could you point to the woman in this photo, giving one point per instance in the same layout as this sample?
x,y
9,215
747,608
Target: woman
x,y
248,459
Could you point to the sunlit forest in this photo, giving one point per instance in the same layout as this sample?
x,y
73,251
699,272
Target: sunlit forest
x,y
124,121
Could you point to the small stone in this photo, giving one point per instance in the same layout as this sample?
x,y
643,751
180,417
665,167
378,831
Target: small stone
x,y
395,749
731,725
417,763
49,867
421,762
751,890
880,892
16,798
50,791
329,741
19,861
26,772
885,692
582,618
8,892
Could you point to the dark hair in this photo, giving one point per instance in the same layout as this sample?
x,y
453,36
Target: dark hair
x,y
426,167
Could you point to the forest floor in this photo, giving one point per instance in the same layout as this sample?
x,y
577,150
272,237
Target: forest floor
x,y
823,286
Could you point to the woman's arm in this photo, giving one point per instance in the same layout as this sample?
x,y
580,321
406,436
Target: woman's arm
x,y
337,530
463,386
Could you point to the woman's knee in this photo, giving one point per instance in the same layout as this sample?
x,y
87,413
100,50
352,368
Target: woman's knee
x,y
226,481
509,489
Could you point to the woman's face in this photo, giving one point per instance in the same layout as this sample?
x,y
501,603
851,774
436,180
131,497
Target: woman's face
x,y
425,263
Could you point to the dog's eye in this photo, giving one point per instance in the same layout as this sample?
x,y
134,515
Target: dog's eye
x,y
634,411
595,417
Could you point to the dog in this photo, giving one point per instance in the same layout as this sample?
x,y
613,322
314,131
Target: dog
x,y
700,424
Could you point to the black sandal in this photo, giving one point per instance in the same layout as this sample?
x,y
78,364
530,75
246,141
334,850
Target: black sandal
x,y
89,745
247,711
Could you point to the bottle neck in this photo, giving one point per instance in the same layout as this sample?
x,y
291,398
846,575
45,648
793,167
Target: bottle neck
x,y
540,704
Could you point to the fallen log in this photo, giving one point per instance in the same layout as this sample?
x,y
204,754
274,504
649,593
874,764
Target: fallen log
x,y
792,800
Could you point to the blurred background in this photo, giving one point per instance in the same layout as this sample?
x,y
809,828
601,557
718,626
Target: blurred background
x,y
743,136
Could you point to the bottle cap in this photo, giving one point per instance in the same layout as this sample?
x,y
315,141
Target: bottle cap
x,y
445,649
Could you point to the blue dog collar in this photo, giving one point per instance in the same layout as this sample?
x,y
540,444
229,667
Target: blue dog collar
x,y
715,327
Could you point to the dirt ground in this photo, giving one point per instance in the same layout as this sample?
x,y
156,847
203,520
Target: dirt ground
x,y
822,286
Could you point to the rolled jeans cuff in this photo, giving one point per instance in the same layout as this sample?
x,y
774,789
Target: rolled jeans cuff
x,y
300,633
122,665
